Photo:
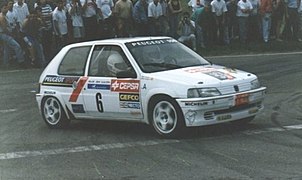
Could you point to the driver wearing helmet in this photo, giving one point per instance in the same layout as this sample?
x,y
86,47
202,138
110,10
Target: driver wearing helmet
x,y
115,64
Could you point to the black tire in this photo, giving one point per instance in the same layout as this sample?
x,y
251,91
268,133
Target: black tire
x,y
166,116
53,113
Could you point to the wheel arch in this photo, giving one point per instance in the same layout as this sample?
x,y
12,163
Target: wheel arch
x,y
67,112
153,99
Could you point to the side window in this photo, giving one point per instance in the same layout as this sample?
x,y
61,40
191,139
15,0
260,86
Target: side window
x,y
107,61
74,61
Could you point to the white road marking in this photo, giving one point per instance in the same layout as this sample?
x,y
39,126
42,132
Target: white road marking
x,y
25,154
7,110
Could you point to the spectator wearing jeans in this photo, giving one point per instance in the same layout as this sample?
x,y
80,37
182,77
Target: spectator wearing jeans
x,y
266,9
32,28
7,40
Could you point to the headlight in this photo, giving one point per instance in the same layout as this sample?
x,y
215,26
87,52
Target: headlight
x,y
255,84
203,92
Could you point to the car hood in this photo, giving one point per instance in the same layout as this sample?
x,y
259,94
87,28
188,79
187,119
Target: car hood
x,y
205,75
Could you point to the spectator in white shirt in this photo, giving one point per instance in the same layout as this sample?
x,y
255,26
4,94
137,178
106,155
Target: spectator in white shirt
x,y
60,25
244,7
21,11
76,12
105,22
220,32
154,13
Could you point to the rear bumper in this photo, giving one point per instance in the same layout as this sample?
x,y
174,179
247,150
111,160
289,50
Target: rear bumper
x,y
214,110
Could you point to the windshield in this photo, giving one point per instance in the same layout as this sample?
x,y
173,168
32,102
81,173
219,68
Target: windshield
x,y
163,54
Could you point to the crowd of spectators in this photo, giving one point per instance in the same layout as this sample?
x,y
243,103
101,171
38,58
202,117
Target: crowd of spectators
x,y
35,33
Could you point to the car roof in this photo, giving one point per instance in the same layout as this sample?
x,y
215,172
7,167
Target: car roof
x,y
117,40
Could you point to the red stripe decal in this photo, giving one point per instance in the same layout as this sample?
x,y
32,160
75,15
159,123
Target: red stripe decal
x,y
76,92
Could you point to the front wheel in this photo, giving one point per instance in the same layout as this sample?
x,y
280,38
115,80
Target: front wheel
x,y
166,116
53,113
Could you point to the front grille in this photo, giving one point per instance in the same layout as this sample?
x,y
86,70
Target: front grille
x,y
211,114
237,108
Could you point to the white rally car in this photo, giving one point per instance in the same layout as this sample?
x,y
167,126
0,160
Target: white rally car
x,y
154,80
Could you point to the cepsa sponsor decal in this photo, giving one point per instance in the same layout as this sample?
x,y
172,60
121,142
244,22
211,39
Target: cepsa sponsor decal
x,y
212,72
52,80
125,85
129,97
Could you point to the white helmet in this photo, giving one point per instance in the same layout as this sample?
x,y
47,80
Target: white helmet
x,y
115,64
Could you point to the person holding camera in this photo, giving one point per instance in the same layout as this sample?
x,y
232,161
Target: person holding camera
x,y
187,31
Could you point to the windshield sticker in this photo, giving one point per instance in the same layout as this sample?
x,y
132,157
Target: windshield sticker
x,y
99,86
125,85
152,42
51,80
211,72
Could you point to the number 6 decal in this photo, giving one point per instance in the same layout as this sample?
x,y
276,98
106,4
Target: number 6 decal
x,y
99,103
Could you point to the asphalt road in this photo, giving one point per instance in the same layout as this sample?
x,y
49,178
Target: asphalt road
x,y
270,147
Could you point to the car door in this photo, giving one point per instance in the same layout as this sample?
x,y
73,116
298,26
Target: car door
x,y
105,95
70,79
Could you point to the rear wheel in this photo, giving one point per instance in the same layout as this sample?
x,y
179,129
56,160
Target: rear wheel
x,y
53,113
166,116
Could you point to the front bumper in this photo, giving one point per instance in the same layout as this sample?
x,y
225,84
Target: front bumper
x,y
219,109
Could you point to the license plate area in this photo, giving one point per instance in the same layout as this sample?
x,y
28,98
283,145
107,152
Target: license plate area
x,y
241,99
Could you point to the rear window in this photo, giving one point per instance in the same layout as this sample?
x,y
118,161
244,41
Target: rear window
x,y
74,61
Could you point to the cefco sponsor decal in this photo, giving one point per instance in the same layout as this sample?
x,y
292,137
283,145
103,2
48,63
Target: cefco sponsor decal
x,y
52,80
129,97
125,85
